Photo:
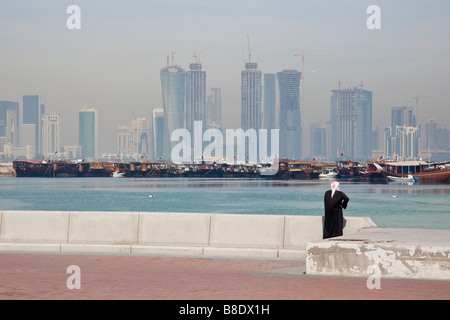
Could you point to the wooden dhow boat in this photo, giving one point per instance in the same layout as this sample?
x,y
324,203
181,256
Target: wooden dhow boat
x,y
422,170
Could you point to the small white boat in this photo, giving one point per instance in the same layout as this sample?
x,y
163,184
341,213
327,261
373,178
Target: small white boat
x,y
409,178
118,174
328,174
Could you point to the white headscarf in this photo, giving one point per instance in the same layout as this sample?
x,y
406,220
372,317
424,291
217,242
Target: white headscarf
x,y
334,187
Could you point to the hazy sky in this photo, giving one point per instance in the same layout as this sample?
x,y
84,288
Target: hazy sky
x,y
113,62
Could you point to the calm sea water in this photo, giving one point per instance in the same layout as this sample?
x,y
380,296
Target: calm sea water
x,y
388,205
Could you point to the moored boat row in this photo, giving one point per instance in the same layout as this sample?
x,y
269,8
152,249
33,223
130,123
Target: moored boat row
x,y
286,170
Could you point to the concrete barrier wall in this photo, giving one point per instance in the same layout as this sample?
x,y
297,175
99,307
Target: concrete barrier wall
x,y
176,229
267,236
34,226
101,227
256,231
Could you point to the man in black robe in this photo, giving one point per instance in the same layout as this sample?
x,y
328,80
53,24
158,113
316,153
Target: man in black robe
x,y
335,201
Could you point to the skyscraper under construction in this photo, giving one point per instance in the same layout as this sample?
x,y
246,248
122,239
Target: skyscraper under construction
x,y
251,91
173,94
290,117
195,96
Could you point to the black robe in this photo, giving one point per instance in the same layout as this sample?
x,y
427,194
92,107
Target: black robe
x,y
334,219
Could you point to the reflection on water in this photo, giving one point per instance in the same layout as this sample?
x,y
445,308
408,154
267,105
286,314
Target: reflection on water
x,y
388,205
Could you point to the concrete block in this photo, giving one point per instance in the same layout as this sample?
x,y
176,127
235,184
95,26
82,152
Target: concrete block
x,y
165,228
255,231
354,224
301,229
34,226
103,227
388,253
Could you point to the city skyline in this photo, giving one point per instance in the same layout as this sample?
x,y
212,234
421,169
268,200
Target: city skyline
x,y
112,63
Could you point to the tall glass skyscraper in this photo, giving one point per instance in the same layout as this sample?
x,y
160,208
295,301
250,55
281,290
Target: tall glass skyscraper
x,y
195,96
270,101
173,94
351,123
290,117
88,133
251,91
32,110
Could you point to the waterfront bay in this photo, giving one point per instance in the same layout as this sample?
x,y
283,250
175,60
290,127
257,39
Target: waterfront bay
x,y
425,206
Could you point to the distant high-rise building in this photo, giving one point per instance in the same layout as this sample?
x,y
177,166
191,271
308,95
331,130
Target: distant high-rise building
x,y
403,116
135,140
29,139
141,136
270,101
158,133
290,117
214,109
402,137
195,96
320,141
88,133
173,94
251,91
351,123
401,142
123,140
437,137
9,121
32,110
51,134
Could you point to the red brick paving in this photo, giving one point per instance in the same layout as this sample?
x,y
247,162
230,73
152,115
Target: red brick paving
x,y
39,276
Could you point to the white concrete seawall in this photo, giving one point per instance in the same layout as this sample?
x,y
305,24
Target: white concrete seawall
x,y
162,233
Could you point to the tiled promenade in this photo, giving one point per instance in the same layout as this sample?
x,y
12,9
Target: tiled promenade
x,y
42,276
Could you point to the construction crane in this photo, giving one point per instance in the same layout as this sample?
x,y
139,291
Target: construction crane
x,y
303,55
249,51
197,55
417,97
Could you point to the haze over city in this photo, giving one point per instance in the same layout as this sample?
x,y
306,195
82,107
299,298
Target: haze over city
x,y
113,62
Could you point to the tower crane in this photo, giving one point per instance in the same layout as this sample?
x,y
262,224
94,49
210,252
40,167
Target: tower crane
x,y
197,55
417,97
303,55
249,51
